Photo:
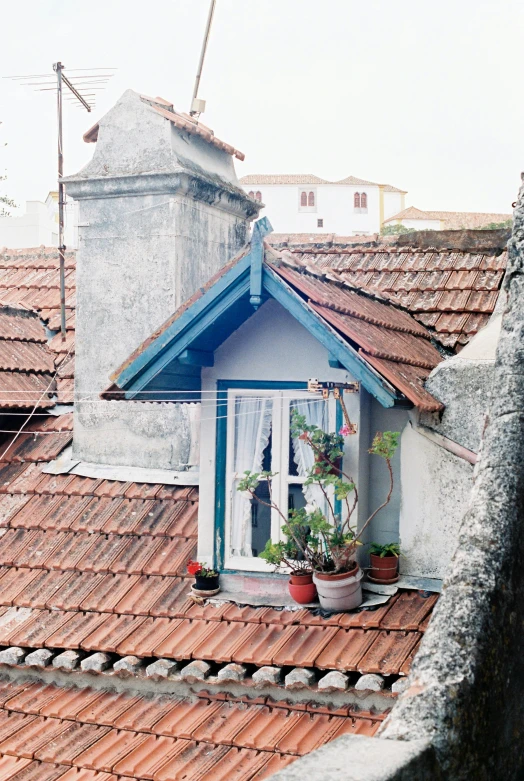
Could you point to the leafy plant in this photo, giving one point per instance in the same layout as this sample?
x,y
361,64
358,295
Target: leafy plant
x,y
391,549
396,230
314,540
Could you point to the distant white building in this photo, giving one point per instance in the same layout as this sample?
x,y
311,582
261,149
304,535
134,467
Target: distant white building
x,y
417,219
304,203
39,225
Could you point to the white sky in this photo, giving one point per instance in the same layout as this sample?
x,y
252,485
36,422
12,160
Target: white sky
x,y
423,95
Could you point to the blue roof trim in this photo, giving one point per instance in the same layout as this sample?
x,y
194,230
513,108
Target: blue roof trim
x,y
179,335
234,291
328,337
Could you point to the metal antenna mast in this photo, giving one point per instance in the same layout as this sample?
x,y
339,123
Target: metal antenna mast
x,y
82,91
198,106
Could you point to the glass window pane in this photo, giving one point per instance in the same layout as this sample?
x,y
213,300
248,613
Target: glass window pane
x,y
251,452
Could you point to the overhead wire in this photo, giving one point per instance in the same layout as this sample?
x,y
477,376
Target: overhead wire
x,y
123,428
24,424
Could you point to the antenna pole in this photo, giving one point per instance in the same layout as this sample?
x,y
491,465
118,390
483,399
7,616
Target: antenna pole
x,y
202,55
61,247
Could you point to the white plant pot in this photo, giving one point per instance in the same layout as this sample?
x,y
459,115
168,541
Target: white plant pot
x,y
339,592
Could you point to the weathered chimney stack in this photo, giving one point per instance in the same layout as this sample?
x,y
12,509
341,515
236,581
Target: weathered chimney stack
x,y
160,211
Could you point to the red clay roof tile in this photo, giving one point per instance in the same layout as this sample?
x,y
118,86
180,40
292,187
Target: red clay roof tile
x,y
388,653
346,649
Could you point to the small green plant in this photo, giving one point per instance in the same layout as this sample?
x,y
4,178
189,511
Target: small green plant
x,y
391,549
317,540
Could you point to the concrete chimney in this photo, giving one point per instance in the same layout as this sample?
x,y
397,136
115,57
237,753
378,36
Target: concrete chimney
x,y
160,211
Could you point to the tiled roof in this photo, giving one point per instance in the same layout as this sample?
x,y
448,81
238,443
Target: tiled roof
x,y
30,297
93,565
26,362
451,220
391,340
47,732
310,179
452,292
282,179
180,120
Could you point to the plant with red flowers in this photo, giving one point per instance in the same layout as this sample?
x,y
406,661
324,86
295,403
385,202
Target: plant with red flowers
x,y
202,570
206,578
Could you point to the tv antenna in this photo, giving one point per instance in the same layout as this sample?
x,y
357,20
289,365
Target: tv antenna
x,y
199,106
82,91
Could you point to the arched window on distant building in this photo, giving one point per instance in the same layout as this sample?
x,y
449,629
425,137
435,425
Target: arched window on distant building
x,y
364,201
303,199
356,200
258,195
311,199
251,194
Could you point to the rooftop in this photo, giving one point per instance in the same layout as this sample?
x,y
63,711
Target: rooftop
x,y
92,576
31,347
311,179
451,220
448,281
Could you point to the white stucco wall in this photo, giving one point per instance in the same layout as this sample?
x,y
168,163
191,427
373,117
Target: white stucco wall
x,y
393,203
272,346
436,487
334,204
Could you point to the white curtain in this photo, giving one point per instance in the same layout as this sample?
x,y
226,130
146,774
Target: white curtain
x,y
252,430
316,414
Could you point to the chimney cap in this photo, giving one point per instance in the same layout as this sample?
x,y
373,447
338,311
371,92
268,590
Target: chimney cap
x,y
179,120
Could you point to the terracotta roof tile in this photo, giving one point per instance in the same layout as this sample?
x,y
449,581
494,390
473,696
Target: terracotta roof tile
x,y
388,653
379,330
223,640
417,280
346,649
79,626
111,633
146,636
408,611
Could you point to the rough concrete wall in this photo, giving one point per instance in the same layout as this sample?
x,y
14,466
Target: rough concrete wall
x,y
154,225
467,682
436,487
464,386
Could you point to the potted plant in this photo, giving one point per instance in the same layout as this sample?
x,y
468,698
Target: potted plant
x,y
324,539
206,579
286,554
384,562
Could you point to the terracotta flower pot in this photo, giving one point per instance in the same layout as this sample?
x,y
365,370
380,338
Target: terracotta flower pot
x,y
339,592
303,593
206,584
301,580
383,568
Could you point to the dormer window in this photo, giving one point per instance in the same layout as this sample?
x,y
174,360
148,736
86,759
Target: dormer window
x,y
257,434
307,200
